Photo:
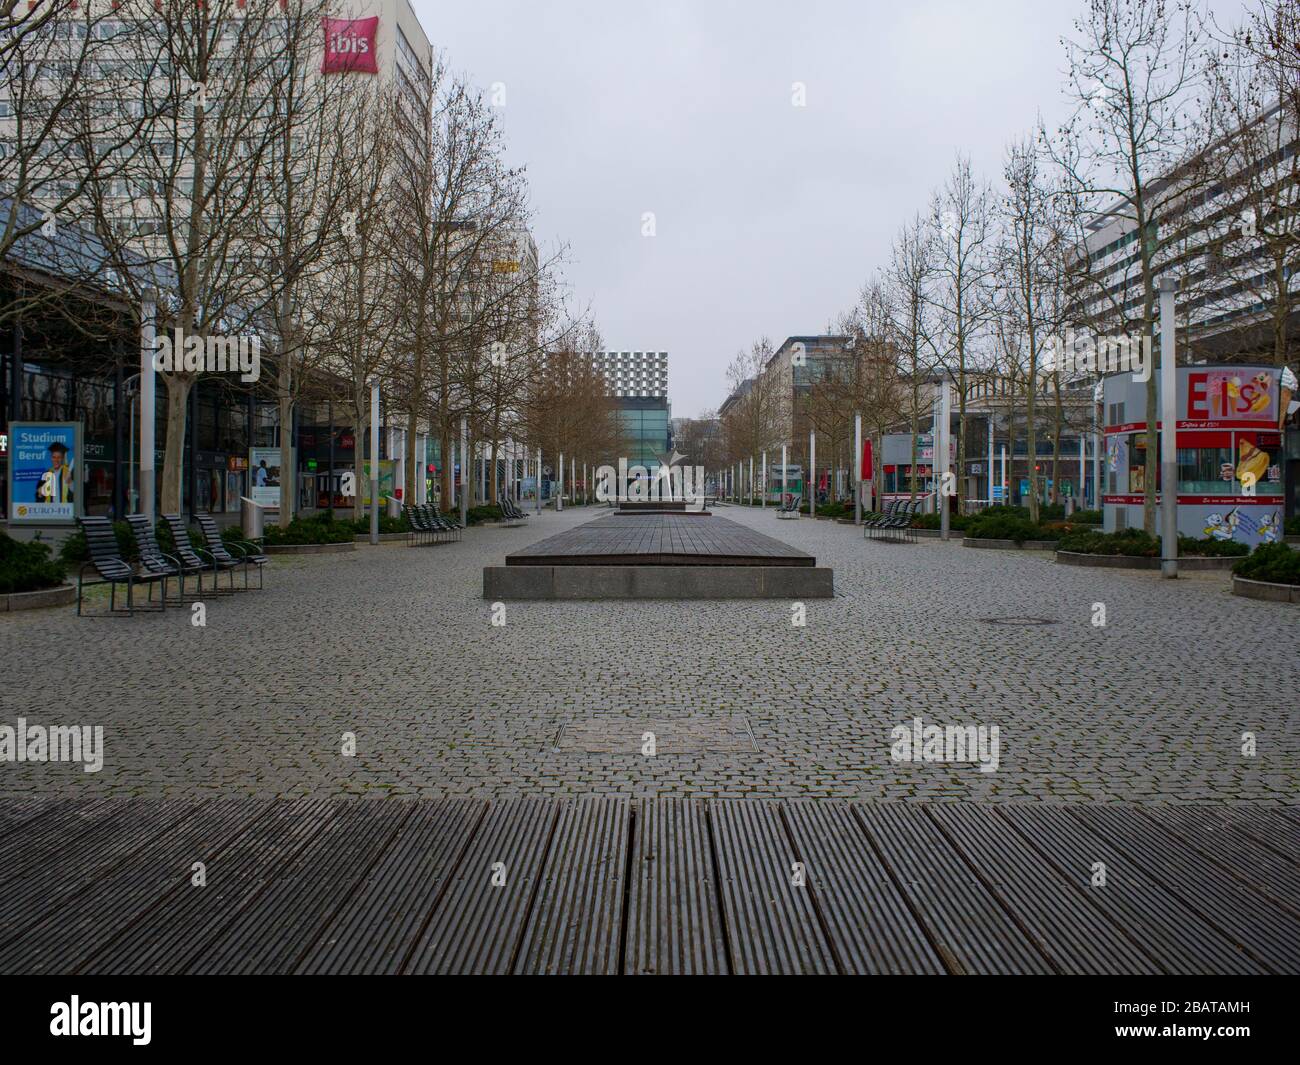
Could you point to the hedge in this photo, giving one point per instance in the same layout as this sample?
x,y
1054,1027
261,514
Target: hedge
x,y
1008,526
1277,563
1135,543
27,567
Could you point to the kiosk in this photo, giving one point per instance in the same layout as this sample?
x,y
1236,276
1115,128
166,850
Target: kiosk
x,y
1230,463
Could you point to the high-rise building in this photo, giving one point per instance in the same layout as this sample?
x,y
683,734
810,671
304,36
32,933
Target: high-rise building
x,y
637,381
634,373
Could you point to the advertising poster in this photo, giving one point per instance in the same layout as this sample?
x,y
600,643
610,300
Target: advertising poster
x,y
387,483
44,472
264,476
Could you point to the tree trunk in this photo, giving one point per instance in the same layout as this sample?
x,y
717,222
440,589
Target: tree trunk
x,y
178,394
1031,434
360,430
409,495
492,477
445,474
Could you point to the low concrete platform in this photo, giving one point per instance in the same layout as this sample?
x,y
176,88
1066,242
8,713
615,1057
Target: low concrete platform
x,y
660,540
659,556
657,582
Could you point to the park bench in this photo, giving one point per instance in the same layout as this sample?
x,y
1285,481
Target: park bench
x,y
153,559
418,529
875,517
444,528
244,553
897,527
511,514
199,559
106,560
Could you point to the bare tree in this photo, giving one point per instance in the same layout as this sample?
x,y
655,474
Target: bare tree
x,y
1033,284
1254,260
71,118
1133,65
753,422
455,202
961,227
299,216
188,200
910,274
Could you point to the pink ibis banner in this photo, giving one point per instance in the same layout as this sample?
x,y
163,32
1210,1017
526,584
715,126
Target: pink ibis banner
x,y
350,46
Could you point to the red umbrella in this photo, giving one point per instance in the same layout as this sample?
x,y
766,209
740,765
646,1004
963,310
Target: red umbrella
x,y
867,465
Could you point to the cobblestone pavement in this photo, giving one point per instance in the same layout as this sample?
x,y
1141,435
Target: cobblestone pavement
x,y
395,645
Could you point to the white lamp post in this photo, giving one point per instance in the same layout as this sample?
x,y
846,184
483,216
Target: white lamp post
x,y
148,311
374,461
1167,288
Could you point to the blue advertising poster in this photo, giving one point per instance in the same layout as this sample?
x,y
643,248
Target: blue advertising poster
x,y
44,472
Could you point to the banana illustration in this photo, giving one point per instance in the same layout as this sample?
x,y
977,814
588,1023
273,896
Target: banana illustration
x,y
1260,402
1250,460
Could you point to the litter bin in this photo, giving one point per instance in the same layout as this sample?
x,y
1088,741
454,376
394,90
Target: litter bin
x,y
251,518
394,507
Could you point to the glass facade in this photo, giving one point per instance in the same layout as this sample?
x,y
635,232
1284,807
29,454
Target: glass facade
x,y
645,433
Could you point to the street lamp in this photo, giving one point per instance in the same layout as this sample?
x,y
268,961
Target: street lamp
x,y
374,461
1167,287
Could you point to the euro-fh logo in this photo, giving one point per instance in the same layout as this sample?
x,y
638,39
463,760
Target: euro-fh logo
x,y
190,353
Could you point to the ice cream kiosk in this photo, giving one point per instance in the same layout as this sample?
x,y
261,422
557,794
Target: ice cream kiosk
x,y
1230,451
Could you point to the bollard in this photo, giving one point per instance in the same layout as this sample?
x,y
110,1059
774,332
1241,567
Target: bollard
x,y
251,519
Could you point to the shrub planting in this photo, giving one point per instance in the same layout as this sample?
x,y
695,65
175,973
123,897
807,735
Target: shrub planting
x,y
1276,563
27,567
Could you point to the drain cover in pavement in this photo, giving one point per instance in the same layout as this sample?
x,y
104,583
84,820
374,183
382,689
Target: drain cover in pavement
x,y
683,735
1019,621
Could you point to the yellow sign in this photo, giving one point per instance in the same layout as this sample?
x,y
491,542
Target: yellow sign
x,y
505,266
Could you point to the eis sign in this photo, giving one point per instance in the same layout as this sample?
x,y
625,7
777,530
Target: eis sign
x,y
350,46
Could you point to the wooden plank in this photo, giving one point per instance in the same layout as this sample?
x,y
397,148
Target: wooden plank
x,y
74,928
1233,850
16,812
1058,915
477,926
966,924
674,925
181,925
1171,933
99,848
1269,934
1267,825
272,932
576,921
771,924
866,917
377,927
31,844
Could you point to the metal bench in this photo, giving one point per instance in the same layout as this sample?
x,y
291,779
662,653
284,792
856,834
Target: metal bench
x,y
106,560
192,557
244,553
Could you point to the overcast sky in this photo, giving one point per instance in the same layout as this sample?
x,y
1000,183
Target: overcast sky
x,y
768,216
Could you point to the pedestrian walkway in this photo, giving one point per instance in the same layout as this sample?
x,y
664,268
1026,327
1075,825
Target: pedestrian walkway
x,y
1186,694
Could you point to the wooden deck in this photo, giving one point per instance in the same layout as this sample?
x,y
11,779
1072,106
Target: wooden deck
x,y
660,540
618,886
